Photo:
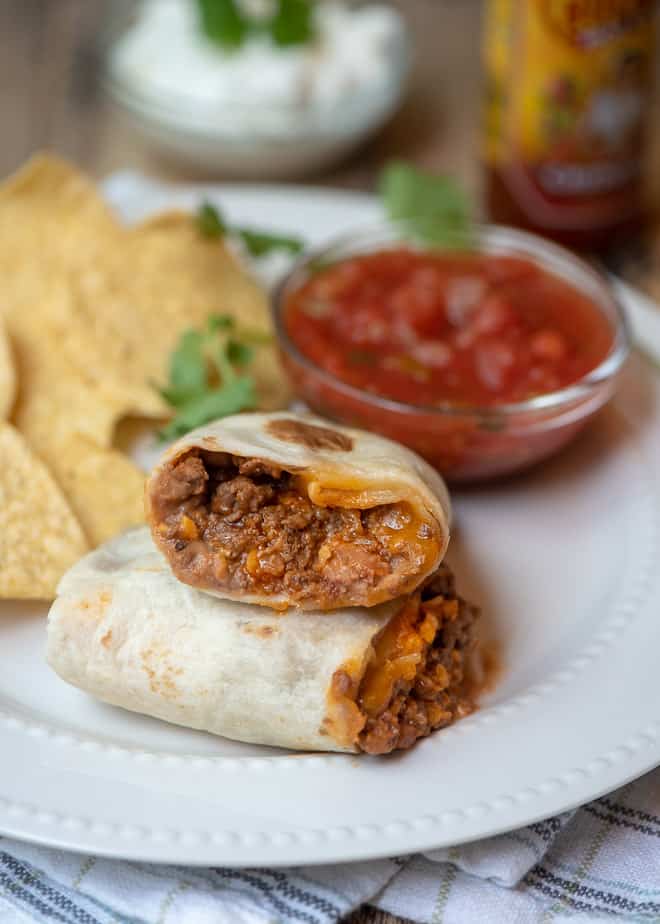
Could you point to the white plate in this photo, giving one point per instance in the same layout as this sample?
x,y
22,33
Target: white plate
x,y
565,564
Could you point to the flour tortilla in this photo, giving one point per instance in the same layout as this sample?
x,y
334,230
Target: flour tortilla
x,y
366,469
126,631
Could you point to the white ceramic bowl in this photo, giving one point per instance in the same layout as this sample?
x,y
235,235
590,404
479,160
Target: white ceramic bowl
x,y
274,142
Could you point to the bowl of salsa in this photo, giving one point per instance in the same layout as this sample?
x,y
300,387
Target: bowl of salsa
x,y
484,357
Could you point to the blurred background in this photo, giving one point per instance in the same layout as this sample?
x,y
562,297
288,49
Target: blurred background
x,y
61,88
51,93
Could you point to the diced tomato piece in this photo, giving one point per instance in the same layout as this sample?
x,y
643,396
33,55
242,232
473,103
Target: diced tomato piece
x,y
492,316
495,361
434,353
463,297
548,345
418,305
338,283
366,325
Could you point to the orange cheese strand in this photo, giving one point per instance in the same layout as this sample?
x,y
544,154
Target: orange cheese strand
x,y
398,655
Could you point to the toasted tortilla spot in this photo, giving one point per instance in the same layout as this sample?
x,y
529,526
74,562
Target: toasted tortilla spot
x,y
260,631
96,605
106,640
160,673
309,435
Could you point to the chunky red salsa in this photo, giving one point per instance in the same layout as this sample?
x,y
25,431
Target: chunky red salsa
x,y
425,327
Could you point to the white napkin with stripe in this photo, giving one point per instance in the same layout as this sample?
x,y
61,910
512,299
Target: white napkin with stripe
x,y
583,866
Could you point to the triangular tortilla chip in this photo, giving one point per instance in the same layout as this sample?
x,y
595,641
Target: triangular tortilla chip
x,y
40,537
54,401
103,486
52,212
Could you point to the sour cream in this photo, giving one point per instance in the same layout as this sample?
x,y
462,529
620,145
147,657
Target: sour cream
x,y
165,57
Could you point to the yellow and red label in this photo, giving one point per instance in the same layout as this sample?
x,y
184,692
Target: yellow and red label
x,y
568,90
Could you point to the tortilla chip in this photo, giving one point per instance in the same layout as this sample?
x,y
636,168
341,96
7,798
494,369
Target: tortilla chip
x,y
40,537
51,214
7,375
128,312
54,401
52,222
104,488
69,424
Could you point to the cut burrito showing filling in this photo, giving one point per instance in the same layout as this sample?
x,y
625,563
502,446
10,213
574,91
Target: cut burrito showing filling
x,y
284,510
125,630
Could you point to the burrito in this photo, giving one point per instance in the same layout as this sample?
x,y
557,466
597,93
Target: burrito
x,y
125,630
287,510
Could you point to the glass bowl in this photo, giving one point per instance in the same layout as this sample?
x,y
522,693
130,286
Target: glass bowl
x,y
466,443
252,140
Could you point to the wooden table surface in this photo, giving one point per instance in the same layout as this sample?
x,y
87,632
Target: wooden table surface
x,y
50,96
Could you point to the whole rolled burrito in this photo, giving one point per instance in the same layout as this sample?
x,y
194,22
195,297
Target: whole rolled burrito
x,y
125,630
288,510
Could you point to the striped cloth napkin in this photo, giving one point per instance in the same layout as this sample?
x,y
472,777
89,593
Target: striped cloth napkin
x,y
588,865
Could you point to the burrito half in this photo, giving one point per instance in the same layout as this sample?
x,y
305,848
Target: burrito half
x,y
125,630
286,510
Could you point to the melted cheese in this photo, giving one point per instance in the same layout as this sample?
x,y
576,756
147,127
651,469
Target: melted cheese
x,y
364,689
399,653
330,489
419,533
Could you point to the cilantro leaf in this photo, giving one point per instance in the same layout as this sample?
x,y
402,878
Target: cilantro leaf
x,y
207,374
210,405
239,354
260,243
293,23
210,222
223,22
187,363
434,207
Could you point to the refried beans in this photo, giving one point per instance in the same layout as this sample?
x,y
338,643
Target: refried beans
x,y
245,526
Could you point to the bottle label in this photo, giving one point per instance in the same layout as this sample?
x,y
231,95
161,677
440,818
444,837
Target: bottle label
x,y
568,85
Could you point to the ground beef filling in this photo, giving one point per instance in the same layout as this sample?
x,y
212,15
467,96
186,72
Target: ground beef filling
x,y
425,658
241,525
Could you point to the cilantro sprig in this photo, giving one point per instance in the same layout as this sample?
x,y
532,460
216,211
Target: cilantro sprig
x,y
293,23
212,224
208,375
223,23
433,206
226,23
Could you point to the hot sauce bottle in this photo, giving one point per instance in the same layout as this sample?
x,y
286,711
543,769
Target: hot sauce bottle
x,y
568,92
